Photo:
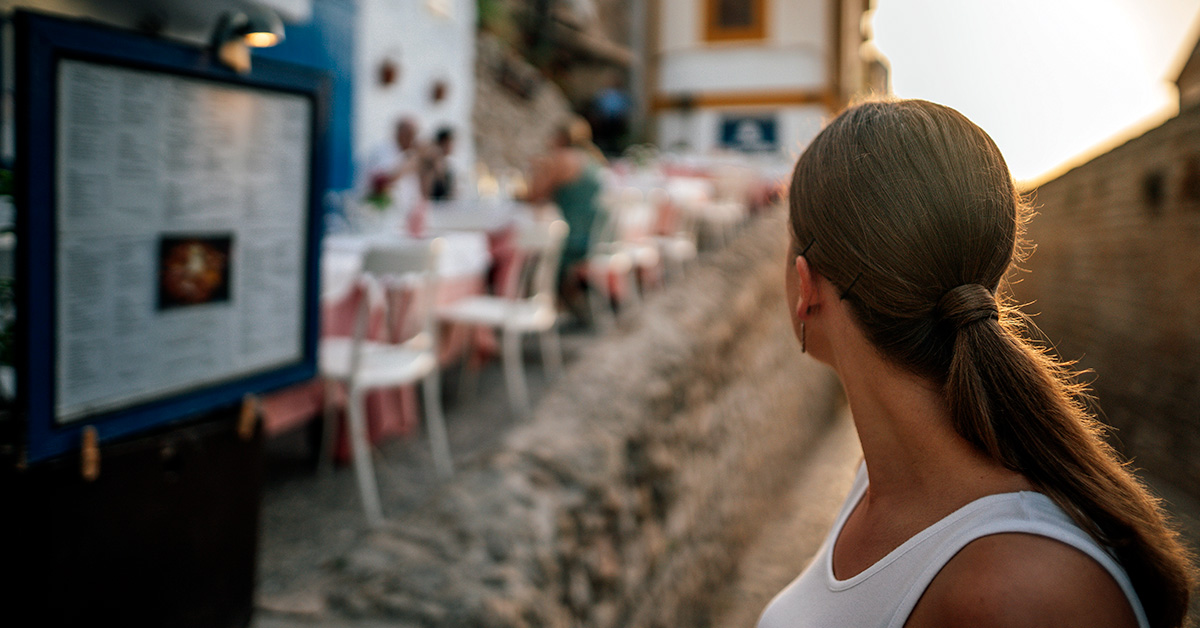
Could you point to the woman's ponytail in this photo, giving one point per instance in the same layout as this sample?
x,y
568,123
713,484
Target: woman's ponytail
x,y
970,313
1026,410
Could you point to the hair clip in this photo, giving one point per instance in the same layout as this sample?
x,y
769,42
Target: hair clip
x,y
850,287
810,245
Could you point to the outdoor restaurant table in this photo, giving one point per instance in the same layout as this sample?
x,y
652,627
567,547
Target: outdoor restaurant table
x,y
498,218
462,271
492,215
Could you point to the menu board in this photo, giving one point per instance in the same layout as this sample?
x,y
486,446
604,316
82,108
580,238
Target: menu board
x,y
181,214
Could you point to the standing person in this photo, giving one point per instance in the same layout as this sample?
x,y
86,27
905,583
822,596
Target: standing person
x,y
437,178
611,108
570,175
987,496
393,169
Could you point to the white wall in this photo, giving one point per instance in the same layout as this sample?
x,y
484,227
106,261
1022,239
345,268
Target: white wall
x,y
798,126
686,132
428,40
792,56
679,24
803,23
742,69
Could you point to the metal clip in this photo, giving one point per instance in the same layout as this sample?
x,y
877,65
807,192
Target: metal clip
x,y
89,454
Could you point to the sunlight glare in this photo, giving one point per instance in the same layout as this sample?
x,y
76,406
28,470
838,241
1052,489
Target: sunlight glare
x,y
1048,80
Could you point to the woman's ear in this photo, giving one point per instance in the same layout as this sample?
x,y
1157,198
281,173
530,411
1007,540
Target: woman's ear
x,y
809,293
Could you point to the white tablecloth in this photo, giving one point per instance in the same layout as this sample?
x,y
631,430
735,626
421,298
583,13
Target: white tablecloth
x,y
487,215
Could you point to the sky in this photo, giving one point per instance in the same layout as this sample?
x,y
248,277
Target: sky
x,y
1052,81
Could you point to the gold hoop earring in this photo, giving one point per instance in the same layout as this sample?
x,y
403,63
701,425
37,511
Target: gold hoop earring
x,y
803,343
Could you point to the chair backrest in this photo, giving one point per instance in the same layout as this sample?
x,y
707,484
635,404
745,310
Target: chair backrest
x,y
675,215
540,246
626,213
412,264
401,258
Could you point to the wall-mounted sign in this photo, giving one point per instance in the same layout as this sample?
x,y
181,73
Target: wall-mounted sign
x,y
749,133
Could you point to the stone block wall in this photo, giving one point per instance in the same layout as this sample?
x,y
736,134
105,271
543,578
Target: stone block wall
x,y
1116,280
628,497
516,110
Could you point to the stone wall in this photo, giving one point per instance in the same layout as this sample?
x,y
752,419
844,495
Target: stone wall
x,y
628,497
1115,278
515,108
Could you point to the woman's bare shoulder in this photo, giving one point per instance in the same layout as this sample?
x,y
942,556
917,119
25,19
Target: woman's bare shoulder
x,y
1022,580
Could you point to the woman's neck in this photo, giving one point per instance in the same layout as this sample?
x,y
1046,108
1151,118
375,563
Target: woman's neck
x,y
909,443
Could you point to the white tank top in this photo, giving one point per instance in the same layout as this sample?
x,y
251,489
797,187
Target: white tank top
x,y
885,593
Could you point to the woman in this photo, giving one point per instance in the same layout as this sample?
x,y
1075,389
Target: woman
x,y
570,175
987,496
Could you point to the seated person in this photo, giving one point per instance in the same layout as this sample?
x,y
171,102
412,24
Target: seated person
x,y
437,179
392,169
570,176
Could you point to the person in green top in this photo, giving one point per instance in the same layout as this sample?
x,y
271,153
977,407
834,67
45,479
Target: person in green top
x,y
570,176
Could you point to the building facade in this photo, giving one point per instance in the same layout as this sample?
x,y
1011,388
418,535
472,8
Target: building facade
x,y
754,75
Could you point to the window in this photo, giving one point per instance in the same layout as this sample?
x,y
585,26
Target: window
x,y
727,20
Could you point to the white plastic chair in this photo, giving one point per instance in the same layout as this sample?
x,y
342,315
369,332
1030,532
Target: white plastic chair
x,y
365,365
676,214
727,211
525,306
620,248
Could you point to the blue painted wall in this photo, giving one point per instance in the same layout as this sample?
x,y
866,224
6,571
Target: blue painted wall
x,y
327,42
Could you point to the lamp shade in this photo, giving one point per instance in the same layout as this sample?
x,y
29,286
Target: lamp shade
x,y
255,26
263,28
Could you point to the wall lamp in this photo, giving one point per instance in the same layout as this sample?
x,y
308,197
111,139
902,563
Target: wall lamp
x,y
237,31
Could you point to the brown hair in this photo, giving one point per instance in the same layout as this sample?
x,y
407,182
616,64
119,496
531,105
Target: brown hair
x,y
916,220
576,132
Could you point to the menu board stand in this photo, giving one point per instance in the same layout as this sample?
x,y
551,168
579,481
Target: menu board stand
x,y
165,535
167,218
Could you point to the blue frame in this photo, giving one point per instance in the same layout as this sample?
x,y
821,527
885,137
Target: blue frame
x,y
41,41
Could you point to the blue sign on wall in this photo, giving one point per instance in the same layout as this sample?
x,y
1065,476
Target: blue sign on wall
x,y
751,134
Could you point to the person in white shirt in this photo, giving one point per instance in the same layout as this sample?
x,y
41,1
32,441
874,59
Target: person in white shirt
x,y
393,169
987,496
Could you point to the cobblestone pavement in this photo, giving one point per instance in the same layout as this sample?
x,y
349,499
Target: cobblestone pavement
x,y
310,518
